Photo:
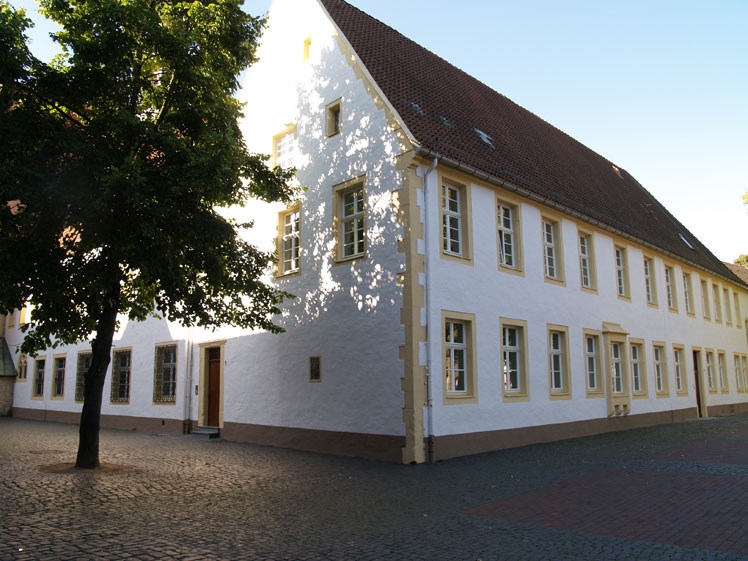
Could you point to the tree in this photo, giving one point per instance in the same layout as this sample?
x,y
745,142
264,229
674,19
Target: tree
x,y
116,157
742,260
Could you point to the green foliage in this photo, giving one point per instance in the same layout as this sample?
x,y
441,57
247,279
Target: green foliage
x,y
742,260
119,155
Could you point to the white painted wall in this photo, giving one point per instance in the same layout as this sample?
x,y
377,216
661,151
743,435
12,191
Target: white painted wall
x,y
483,290
348,314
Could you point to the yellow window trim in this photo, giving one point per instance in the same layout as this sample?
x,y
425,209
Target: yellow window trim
x,y
338,191
589,234
278,269
516,206
558,244
662,345
643,391
466,220
471,381
524,393
599,391
565,392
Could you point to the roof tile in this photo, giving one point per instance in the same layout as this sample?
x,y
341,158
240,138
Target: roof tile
x,y
527,152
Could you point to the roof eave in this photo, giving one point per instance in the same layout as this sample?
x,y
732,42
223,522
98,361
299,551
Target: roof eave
x,y
451,162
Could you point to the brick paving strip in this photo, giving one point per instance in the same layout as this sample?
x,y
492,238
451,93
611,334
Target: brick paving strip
x,y
686,509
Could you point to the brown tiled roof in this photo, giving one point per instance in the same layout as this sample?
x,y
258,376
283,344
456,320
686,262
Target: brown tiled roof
x,y
442,106
740,271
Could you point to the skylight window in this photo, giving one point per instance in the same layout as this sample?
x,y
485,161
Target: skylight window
x,y
485,137
446,122
685,241
416,108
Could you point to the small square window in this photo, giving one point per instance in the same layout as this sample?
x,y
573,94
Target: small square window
x,y
334,118
315,369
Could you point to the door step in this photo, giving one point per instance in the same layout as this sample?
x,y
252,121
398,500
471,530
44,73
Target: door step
x,y
207,432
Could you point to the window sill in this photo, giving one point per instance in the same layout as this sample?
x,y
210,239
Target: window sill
x,y
350,259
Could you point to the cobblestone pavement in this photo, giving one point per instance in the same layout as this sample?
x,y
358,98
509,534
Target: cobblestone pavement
x,y
675,492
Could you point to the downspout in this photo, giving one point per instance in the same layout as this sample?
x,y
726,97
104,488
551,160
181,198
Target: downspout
x,y
427,306
187,421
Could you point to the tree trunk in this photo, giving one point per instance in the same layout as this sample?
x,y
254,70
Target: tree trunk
x,y
88,443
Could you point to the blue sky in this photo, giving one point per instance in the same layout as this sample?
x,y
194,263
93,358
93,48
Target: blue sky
x,y
660,88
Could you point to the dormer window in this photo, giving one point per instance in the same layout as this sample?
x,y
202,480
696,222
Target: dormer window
x,y
485,137
416,108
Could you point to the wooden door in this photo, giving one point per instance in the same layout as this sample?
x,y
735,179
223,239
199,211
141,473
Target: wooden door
x,y
214,385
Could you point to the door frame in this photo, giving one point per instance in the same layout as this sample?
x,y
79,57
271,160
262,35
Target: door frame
x,y
204,395
698,369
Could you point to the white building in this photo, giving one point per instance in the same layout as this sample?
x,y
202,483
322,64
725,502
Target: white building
x,y
468,278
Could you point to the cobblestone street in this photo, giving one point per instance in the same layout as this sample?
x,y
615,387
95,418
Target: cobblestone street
x,y
677,492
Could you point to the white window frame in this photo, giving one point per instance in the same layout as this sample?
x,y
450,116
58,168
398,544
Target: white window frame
x,y
672,303
709,364
587,277
678,369
660,368
592,361
636,370
688,293
617,363
650,286
452,393
456,349
559,379
289,242
717,303
726,303
451,220
350,221
705,300
722,366
621,263
507,232
553,262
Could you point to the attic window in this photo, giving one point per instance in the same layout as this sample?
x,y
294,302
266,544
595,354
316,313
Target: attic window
x,y
446,122
333,118
485,138
416,108
685,241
